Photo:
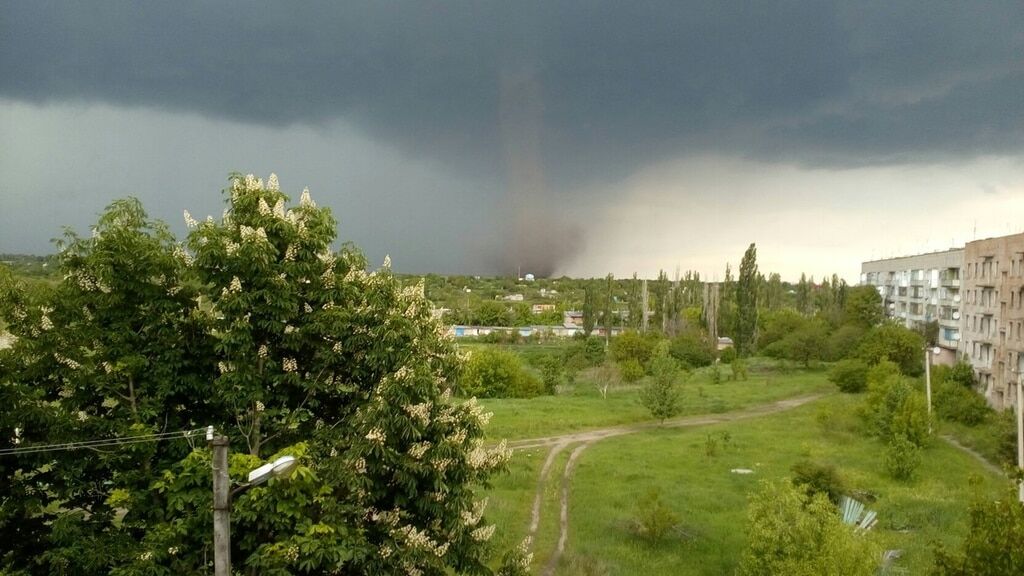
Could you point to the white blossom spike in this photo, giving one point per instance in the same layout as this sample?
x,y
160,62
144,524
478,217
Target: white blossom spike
x,y
272,183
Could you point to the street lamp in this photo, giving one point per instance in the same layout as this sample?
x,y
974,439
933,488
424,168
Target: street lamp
x,y
223,493
1020,430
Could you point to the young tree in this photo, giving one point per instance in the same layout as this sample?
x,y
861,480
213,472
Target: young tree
x,y
727,304
661,395
803,295
609,296
991,546
281,344
746,303
589,309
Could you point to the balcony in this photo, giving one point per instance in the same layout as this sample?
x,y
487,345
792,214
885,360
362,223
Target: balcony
x,y
950,282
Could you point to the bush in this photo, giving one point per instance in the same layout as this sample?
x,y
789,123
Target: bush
x,y
850,375
844,341
956,403
739,369
584,353
815,478
654,520
693,349
552,373
894,408
793,533
991,546
895,343
902,458
496,373
727,355
632,346
716,374
631,370
661,396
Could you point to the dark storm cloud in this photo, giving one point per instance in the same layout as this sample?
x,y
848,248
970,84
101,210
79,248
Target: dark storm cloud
x,y
622,84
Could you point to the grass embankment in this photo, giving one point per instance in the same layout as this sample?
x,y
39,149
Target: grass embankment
x,y
582,407
712,502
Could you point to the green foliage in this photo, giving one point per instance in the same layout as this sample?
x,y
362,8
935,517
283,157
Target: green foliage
x,y
894,408
631,370
902,458
805,345
264,332
693,349
746,303
589,309
844,341
992,545
817,478
739,369
893,342
632,346
585,353
850,375
552,373
661,394
793,533
960,374
716,374
728,355
956,403
863,307
497,373
654,520
777,324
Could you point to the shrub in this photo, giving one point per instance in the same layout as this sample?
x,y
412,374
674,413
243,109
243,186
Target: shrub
x,y
584,352
816,478
692,348
716,374
902,458
895,343
661,396
654,520
956,403
991,546
727,355
552,373
850,375
793,533
632,346
739,369
844,341
893,407
631,370
496,373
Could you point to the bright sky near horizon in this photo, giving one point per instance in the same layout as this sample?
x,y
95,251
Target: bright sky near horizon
x,y
566,137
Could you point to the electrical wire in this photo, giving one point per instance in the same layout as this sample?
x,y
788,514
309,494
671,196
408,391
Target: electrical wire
x,y
102,443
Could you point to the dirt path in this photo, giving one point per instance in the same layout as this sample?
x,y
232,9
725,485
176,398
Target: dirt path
x,y
586,439
977,456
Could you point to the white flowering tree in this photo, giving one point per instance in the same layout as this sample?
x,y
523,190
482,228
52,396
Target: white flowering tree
x,y
257,326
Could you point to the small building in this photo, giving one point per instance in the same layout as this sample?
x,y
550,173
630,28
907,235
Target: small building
x,y
511,298
724,342
542,308
572,318
529,278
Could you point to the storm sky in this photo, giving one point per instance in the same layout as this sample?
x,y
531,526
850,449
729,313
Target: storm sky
x,y
564,137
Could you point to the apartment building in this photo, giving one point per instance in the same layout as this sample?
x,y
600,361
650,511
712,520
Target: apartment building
x,y
920,289
993,314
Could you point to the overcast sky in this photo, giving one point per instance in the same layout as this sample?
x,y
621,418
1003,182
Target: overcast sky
x,y
567,137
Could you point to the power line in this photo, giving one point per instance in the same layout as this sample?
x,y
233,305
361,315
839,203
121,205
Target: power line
x,y
102,443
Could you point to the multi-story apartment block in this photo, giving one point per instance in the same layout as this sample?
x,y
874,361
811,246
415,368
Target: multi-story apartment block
x,y
993,315
921,289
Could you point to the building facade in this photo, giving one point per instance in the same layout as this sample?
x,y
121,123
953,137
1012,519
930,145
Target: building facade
x,y
921,289
993,308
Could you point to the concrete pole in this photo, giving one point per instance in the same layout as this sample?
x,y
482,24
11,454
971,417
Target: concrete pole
x,y
221,508
928,383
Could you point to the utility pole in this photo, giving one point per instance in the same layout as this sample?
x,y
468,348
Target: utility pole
x,y
221,508
928,384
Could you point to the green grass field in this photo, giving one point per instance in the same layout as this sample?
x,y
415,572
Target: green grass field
x,y
711,502
583,407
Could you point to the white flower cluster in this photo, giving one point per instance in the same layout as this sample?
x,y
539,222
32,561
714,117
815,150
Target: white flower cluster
x,y
477,411
45,323
146,556
263,208
279,209
480,458
190,222
182,255
483,533
89,283
458,437
376,435
253,183
82,416
225,367
418,449
66,361
292,553
327,278
289,253
420,540
472,517
523,555
288,329
260,407
290,365
236,285
272,183
420,412
250,234
307,308
387,262
387,518
360,466
305,199
263,352
231,248
336,348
